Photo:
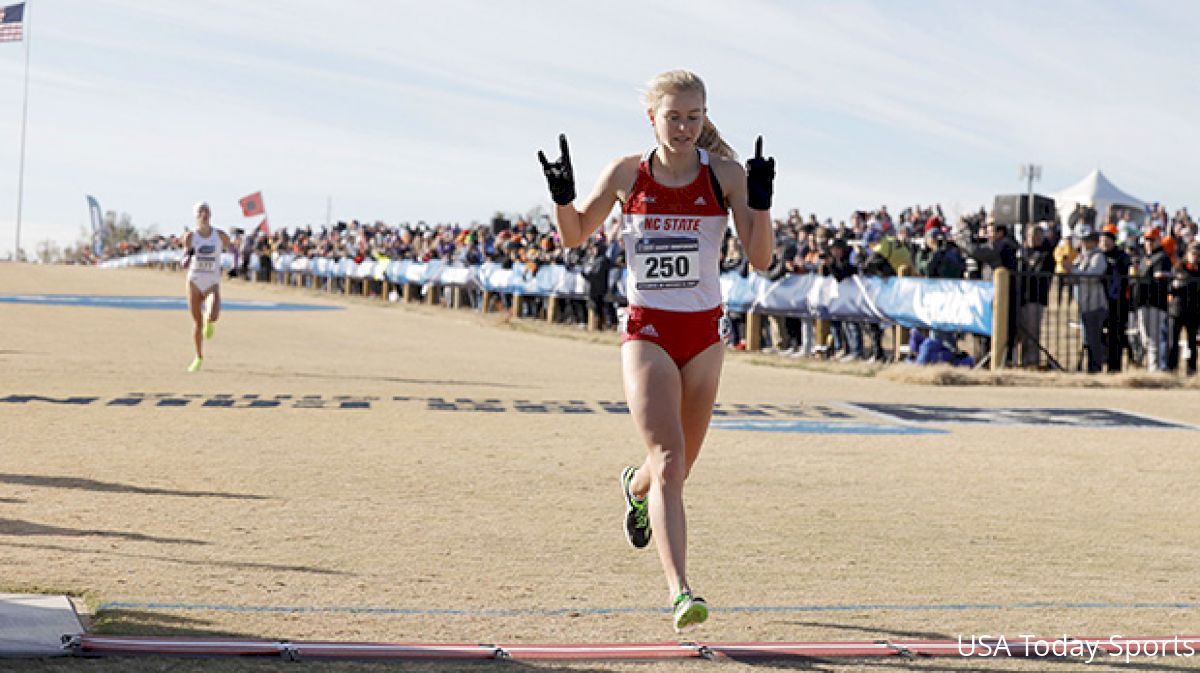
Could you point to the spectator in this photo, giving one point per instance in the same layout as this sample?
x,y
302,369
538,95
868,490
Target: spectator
x,y
940,258
235,247
1117,292
905,240
847,338
1089,270
596,268
1128,230
995,251
733,259
1150,299
783,337
886,258
932,351
1033,295
245,251
1185,307
1064,259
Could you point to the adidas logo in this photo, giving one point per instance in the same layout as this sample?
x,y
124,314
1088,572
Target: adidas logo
x,y
647,199
648,330
700,201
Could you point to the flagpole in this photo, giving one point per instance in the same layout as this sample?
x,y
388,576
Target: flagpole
x,y
28,34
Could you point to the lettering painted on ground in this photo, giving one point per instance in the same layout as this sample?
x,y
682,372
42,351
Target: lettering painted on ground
x,y
1040,416
437,404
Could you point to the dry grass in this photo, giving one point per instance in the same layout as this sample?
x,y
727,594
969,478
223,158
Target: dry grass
x,y
945,375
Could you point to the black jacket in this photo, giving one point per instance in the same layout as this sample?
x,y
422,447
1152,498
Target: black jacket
x,y
990,255
840,270
1118,274
1037,267
594,270
1151,291
1185,292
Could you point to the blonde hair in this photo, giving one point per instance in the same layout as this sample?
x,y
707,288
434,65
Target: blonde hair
x,y
678,81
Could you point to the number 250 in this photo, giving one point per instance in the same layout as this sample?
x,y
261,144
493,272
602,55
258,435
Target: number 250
x,y
667,267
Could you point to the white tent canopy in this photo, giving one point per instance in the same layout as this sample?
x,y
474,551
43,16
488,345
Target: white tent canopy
x,y
1096,191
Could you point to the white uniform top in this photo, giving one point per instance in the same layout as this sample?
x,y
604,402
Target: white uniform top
x,y
205,268
673,239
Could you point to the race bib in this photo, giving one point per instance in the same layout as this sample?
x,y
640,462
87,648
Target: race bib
x,y
666,263
204,265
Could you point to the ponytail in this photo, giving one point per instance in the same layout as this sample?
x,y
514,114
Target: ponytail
x,y
710,139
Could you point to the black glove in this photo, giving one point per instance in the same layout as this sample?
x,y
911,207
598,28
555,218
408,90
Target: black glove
x,y
560,175
760,179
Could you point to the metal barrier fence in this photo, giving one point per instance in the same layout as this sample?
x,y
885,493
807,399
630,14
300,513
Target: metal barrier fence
x,y
1050,328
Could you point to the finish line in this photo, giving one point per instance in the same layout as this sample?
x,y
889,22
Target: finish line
x,y
554,612
1066,648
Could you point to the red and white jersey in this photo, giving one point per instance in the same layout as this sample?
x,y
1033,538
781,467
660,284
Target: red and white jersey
x,y
673,238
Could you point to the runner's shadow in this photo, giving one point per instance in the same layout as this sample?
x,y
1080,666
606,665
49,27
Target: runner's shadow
x,y
25,528
119,621
873,631
203,563
79,483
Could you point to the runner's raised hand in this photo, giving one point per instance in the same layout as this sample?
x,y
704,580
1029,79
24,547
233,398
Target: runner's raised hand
x,y
559,174
760,179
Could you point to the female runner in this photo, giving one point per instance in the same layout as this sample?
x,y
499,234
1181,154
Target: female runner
x,y
203,248
675,201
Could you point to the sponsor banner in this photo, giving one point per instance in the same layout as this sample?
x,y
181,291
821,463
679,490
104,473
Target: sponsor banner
x,y
949,305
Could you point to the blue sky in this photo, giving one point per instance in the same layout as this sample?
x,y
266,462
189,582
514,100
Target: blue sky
x,y
405,111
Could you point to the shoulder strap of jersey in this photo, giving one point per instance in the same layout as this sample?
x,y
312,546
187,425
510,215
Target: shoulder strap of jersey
x,y
648,162
712,177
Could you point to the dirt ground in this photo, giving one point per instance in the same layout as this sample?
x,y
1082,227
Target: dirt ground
x,y
402,457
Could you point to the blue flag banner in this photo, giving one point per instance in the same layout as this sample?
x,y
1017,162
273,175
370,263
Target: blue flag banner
x,y
98,233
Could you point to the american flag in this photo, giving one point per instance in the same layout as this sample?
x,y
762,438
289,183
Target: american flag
x,y
11,22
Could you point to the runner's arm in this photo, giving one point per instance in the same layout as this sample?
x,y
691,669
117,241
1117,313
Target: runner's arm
x,y
754,227
575,225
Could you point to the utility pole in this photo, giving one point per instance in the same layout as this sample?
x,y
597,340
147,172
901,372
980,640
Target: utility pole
x,y
28,37
1029,173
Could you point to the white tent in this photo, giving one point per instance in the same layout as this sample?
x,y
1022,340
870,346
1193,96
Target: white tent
x,y
1096,191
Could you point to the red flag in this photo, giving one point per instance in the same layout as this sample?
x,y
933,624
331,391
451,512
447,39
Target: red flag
x,y
252,205
262,226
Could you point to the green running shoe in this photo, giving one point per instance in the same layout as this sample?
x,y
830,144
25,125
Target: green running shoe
x,y
195,366
209,328
690,611
637,512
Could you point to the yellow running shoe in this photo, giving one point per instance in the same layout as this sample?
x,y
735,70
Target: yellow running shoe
x,y
209,328
690,611
195,366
